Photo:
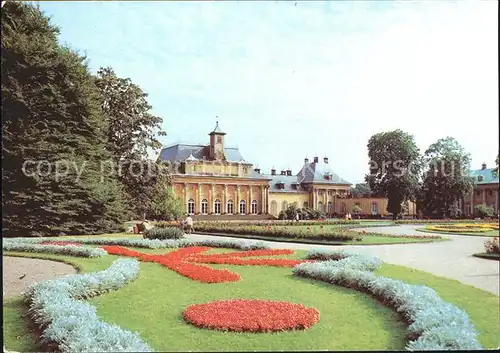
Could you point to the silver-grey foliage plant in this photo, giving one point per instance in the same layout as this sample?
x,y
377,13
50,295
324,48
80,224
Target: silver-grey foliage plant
x,y
57,307
434,323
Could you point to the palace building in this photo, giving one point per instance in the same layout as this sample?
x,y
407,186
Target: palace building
x,y
485,191
215,180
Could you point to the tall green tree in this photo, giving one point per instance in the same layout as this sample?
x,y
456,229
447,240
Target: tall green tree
x,y
446,179
396,164
132,131
495,170
52,134
360,190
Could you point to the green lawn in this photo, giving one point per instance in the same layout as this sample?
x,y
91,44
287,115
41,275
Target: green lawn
x,y
491,233
152,305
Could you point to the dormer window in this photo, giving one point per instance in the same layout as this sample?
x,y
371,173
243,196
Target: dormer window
x,y
480,178
327,176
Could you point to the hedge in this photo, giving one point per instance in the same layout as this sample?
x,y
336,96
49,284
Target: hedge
x,y
433,323
164,233
73,324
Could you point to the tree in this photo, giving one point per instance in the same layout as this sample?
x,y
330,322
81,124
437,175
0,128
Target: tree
x,y
356,209
446,179
484,210
395,167
495,170
164,204
132,132
51,127
361,190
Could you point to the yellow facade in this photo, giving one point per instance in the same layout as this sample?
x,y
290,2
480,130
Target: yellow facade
x,y
216,180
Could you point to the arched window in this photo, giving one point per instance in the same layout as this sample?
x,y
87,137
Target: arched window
x,y
284,205
230,206
204,206
217,206
374,208
254,207
320,206
243,207
343,208
190,206
329,208
274,208
305,205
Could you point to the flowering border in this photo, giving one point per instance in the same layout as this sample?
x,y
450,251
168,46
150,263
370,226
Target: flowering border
x,y
74,325
185,261
251,315
434,323
35,247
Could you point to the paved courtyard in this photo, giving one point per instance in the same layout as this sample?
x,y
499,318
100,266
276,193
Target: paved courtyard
x,y
451,259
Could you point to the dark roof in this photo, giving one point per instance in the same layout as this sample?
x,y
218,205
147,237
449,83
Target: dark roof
x,y
487,174
316,172
217,130
287,180
180,152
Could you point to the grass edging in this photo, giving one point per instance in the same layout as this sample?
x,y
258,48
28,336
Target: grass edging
x,y
487,256
314,241
423,230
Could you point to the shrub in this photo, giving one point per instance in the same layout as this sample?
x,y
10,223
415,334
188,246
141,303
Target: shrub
x,y
484,210
163,233
434,323
492,246
74,325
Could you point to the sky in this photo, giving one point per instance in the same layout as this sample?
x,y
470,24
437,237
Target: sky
x,y
288,80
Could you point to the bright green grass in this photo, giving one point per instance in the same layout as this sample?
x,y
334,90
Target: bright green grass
x,y
491,233
152,305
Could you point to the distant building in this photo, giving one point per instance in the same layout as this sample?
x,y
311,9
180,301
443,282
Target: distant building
x,y
485,191
214,179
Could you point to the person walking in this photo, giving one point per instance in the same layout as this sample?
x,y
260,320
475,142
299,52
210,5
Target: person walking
x,y
297,217
189,224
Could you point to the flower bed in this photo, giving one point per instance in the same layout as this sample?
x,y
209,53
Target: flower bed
x,y
251,315
464,227
492,246
73,325
184,261
437,221
71,250
144,243
434,323
309,232
60,243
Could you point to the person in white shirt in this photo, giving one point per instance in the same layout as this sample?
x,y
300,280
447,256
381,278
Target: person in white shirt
x,y
189,224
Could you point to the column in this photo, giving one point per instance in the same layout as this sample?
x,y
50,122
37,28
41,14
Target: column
x,y
249,211
237,203
484,195
224,200
212,199
317,199
496,201
262,199
325,199
186,196
199,197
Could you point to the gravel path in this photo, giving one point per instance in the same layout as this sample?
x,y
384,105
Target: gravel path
x,y
451,259
20,272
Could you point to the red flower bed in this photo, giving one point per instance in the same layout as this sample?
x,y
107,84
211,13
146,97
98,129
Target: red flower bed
x,y
185,261
251,315
60,243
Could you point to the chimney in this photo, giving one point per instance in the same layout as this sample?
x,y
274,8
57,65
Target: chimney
x,y
325,160
273,171
306,160
283,172
257,170
289,172
316,160
483,166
